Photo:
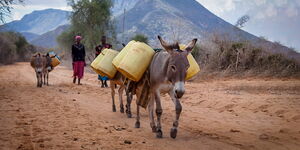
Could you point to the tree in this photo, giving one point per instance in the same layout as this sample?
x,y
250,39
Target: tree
x,y
241,21
91,19
140,38
6,7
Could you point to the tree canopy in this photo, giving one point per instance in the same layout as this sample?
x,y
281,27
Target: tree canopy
x,y
6,7
90,19
140,38
242,21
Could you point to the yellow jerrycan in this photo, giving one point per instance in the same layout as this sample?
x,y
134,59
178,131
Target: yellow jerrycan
x,y
117,60
55,59
194,67
134,60
103,63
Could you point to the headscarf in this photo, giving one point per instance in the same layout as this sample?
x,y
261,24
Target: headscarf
x,y
77,37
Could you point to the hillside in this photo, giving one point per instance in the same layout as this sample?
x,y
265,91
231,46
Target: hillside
x,y
38,22
169,18
48,39
29,36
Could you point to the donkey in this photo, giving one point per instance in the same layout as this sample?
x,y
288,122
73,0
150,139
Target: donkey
x,y
118,79
122,81
48,67
167,73
38,64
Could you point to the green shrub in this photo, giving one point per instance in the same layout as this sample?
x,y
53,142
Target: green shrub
x,y
14,47
140,38
241,58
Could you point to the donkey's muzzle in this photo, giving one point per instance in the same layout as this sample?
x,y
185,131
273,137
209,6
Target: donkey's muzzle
x,y
179,93
179,89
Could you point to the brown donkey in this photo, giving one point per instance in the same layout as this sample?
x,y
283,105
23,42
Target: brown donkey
x,y
122,81
119,79
167,74
48,68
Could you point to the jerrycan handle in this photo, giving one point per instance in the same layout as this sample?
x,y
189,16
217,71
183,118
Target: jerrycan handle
x,y
102,53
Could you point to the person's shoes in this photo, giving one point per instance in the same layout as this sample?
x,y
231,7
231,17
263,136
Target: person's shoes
x,y
79,82
74,80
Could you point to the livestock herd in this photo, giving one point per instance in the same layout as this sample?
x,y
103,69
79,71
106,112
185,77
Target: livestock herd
x,y
166,74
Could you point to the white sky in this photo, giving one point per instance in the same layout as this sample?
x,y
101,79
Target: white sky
x,y
30,5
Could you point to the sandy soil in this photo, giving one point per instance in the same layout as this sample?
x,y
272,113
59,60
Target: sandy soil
x,y
232,114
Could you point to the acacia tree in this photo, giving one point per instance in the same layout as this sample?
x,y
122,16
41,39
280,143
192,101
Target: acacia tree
x,y
6,7
91,19
242,21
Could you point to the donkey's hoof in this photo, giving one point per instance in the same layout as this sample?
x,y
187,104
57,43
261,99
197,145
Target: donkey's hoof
x,y
137,124
153,129
122,109
173,133
129,115
114,109
159,133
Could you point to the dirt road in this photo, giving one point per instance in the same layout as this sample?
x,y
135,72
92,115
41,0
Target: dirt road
x,y
232,114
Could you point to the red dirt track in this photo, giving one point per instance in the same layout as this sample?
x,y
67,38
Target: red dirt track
x,y
233,114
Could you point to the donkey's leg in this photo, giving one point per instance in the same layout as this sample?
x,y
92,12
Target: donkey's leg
x,y
44,74
128,105
41,80
37,79
151,115
178,109
47,78
120,91
158,111
112,87
137,123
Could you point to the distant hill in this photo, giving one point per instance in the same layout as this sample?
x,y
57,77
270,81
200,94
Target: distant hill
x,y
38,22
176,20
29,36
120,5
179,20
48,39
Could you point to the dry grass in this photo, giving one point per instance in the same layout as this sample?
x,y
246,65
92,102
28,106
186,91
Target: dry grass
x,y
225,58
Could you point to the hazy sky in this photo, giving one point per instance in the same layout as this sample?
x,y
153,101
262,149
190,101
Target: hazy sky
x,y
231,10
268,18
276,20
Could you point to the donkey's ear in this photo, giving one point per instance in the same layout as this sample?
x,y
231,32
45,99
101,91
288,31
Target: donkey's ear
x,y
164,44
191,45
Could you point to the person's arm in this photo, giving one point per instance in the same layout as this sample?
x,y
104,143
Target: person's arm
x,y
84,55
73,53
97,51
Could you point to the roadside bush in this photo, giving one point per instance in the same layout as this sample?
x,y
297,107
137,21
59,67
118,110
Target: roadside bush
x,y
14,47
140,38
242,58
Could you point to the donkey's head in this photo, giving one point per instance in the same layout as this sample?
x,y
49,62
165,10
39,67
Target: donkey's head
x,y
178,64
38,63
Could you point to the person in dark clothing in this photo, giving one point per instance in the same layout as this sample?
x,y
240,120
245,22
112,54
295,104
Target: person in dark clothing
x,y
99,49
78,58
